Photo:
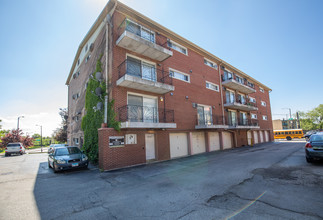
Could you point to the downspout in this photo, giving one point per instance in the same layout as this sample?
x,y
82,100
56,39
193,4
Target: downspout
x,y
223,118
107,58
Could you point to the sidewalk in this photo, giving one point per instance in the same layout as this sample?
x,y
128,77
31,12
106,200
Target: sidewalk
x,y
37,150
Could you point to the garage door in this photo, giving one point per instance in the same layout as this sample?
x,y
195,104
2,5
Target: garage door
x,y
214,141
178,145
198,142
267,136
255,136
249,136
261,136
227,140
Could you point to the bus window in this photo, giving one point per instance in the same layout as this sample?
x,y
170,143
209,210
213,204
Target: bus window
x,y
293,132
275,133
296,132
279,133
289,132
286,132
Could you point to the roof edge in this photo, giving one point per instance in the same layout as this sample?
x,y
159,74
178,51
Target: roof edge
x,y
93,28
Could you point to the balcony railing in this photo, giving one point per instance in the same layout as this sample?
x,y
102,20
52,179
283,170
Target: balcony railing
x,y
215,120
248,122
135,113
240,104
238,83
144,71
142,40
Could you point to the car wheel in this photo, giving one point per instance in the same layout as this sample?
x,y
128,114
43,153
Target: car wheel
x,y
309,160
288,138
49,165
6,154
55,168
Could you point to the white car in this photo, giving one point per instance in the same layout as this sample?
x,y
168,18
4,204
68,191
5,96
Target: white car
x,y
15,148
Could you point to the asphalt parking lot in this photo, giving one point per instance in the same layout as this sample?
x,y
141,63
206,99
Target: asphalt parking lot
x,y
268,181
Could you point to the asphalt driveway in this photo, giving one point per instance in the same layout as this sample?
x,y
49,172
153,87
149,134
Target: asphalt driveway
x,y
269,181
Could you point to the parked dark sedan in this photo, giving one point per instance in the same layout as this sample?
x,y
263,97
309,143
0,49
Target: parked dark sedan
x,y
63,158
314,148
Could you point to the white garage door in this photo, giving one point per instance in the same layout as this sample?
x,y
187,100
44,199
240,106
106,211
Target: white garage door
x,y
178,145
255,136
214,141
198,142
261,136
267,136
249,136
227,140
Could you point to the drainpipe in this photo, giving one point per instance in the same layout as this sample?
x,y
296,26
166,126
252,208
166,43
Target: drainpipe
x,y
108,23
219,70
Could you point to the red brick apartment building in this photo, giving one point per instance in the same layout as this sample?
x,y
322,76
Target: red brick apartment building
x,y
173,98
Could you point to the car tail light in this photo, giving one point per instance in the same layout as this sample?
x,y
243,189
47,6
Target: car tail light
x,y
20,147
308,145
6,148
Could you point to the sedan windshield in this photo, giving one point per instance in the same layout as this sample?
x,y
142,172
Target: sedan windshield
x,y
67,151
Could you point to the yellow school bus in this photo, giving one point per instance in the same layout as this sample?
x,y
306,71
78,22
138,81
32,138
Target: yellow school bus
x,y
288,134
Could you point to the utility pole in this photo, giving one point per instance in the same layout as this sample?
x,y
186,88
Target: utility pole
x,y
18,121
41,137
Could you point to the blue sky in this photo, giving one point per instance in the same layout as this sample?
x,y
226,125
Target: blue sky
x,y
278,42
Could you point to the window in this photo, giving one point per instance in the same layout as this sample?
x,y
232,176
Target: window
x,y
263,103
211,64
251,85
76,96
253,100
275,133
204,115
76,118
142,109
239,79
286,132
139,30
86,48
141,68
76,141
227,75
212,86
230,96
78,62
241,99
75,75
180,76
264,117
88,58
253,116
177,47
261,89
232,118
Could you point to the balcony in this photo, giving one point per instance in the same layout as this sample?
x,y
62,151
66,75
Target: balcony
x,y
133,116
239,84
145,77
216,121
141,40
241,105
244,124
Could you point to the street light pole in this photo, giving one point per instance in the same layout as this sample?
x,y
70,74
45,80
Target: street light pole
x,y
41,137
290,112
18,121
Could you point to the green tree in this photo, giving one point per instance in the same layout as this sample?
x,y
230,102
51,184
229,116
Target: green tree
x,y
313,119
316,115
